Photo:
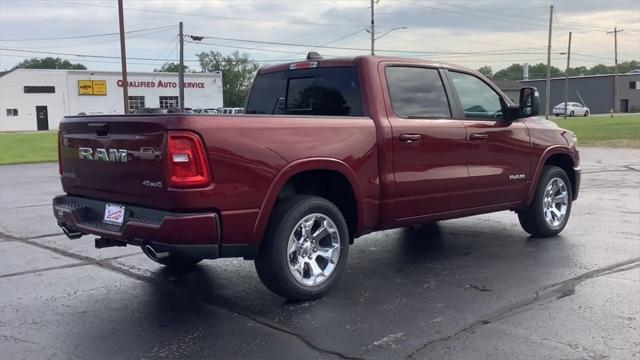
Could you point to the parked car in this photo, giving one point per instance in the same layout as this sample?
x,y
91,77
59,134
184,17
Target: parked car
x,y
573,109
211,111
330,150
179,111
231,111
146,110
91,113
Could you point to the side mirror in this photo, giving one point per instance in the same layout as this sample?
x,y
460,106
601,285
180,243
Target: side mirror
x,y
529,102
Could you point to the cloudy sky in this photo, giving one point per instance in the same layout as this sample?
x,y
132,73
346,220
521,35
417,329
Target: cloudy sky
x,y
471,33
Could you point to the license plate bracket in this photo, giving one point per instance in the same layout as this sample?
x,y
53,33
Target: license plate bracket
x,y
114,214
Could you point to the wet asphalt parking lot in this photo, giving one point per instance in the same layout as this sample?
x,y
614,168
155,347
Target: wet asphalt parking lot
x,y
474,288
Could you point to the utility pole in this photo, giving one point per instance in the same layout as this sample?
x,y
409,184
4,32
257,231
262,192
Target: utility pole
x,y
372,29
566,77
123,59
615,76
181,70
547,94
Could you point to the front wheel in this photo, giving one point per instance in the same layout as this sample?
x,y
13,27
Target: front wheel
x,y
548,213
305,249
586,113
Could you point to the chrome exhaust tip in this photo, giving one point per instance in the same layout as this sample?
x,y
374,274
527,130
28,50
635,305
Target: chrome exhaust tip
x,y
71,234
153,254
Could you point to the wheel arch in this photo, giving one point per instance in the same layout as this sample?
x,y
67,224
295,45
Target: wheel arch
x,y
326,168
560,156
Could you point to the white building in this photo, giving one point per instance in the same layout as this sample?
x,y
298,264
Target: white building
x,y
32,99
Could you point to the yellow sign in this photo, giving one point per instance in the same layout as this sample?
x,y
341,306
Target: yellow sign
x,y
92,87
85,87
99,87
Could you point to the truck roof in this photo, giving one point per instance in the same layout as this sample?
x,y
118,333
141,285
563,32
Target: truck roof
x,y
353,60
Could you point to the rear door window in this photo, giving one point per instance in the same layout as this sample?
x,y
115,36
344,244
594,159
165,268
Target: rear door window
x,y
417,92
332,91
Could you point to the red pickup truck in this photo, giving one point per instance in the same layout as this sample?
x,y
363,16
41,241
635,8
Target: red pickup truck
x,y
330,149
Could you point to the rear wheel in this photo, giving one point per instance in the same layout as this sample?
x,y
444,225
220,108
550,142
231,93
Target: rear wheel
x,y
548,213
572,113
305,249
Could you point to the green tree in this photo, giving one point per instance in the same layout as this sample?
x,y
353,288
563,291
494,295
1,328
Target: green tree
x,y
578,71
601,69
626,66
537,71
237,73
513,72
48,63
486,71
171,67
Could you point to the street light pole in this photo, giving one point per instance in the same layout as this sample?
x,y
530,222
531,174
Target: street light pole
x,y
181,70
392,30
372,29
374,38
547,95
615,76
123,59
566,77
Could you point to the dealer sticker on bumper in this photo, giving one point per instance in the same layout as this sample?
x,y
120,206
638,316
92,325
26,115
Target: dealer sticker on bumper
x,y
114,214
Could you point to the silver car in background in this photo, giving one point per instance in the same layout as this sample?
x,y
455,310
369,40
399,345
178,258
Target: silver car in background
x,y
573,109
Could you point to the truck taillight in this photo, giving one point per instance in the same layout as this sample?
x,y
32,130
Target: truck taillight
x,y
59,152
187,160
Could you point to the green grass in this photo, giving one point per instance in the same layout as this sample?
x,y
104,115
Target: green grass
x,y
32,147
619,131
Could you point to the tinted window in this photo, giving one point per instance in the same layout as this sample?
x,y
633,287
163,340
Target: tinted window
x,y
330,91
477,98
417,92
39,89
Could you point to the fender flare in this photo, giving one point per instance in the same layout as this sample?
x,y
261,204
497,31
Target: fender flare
x,y
549,152
297,167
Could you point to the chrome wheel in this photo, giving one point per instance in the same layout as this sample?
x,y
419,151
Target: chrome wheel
x,y
555,202
313,249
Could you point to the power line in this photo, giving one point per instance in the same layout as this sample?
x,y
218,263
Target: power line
x,y
244,47
468,14
215,17
117,57
91,36
84,60
74,45
357,48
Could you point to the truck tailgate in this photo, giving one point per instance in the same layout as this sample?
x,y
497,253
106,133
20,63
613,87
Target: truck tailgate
x,y
115,158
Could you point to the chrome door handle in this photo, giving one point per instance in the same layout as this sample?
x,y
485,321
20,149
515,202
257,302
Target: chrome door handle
x,y
478,137
409,138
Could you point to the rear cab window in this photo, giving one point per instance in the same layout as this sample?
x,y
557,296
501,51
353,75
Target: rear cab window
x,y
329,91
417,92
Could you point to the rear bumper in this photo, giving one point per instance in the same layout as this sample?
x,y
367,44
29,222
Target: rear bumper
x,y
192,233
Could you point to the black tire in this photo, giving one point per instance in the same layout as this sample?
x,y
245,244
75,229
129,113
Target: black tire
x,y
272,262
174,261
533,219
586,113
572,114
